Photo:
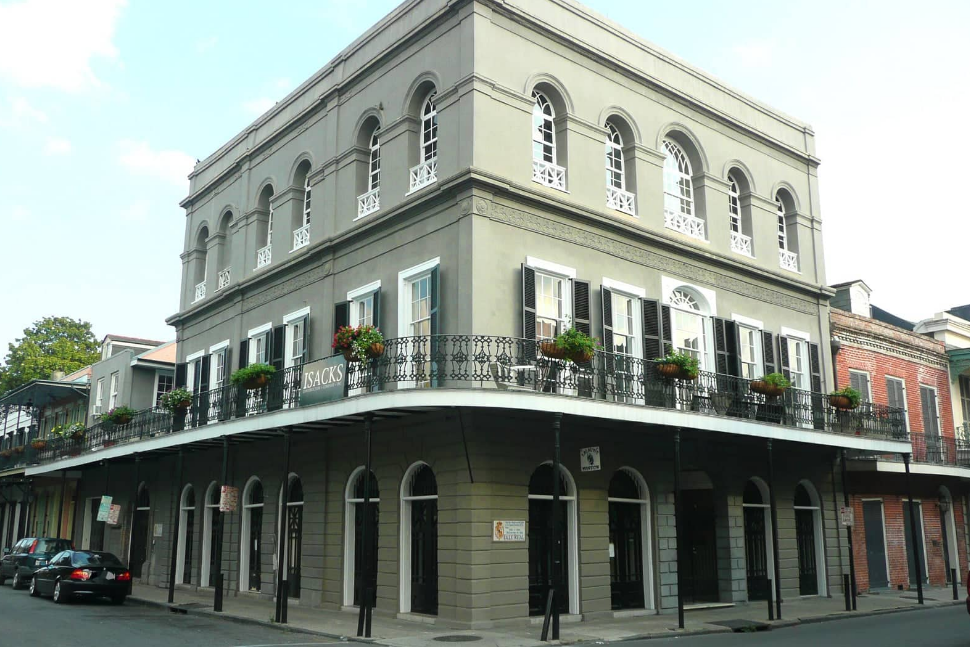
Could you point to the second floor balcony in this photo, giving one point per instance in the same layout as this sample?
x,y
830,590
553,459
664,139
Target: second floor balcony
x,y
740,243
423,174
369,202
301,237
621,200
224,279
788,260
548,174
685,224
199,291
264,256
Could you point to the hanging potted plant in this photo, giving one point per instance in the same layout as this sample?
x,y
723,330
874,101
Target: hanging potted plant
x,y
19,449
574,345
845,399
254,376
177,400
343,342
75,431
6,453
38,444
368,343
771,385
118,416
677,365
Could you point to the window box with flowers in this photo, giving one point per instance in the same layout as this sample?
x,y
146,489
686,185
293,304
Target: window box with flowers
x,y
254,376
358,344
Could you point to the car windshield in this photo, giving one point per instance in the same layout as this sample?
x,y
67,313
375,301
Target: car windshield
x,y
52,545
94,559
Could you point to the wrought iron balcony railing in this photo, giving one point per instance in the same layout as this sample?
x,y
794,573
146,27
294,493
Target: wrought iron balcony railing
x,y
621,200
933,450
16,450
509,364
423,174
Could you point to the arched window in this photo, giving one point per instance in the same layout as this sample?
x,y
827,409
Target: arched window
x,y
306,201
250,567
138,549
614,158
300,217
740,242
689,325
183,572
224,256
543,129
631,568
374,172
201,263
542,544
787,245
419,541
354,549
264,233
293,549
758,547
210,521
782,227
679,192
808,539
429,129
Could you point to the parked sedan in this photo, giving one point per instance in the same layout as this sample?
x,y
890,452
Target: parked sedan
x,y
82,572
27,555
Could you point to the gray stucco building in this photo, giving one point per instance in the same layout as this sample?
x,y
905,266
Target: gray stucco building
x,y
472,176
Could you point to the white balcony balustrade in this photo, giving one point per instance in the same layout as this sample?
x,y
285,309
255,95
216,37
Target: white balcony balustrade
x,y
301,237
740,243
549,175
621,200
788,260
369,202
264,256
199,291
685,224
423,174
223,279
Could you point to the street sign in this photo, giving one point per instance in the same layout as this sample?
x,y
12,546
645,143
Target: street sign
x,y
847,516
113,513
228,498
323,380
104,509
158,530
504,530
589,459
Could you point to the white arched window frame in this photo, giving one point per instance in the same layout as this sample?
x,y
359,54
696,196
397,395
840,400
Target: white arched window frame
x,y
264,255
816,508
690,323
374,169
617,197
787,259
186,511
765,506
350,532
740,243
306,200
545,170
279,510
246,529
646,532
406,499
209,513
426,172
572,534
679,193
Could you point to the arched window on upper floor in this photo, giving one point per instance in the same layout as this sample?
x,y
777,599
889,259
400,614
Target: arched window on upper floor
x,y
201,263
301,213
739,214
545,168
426,171
224,255
264,228
617,195
679,207
787,237
369,201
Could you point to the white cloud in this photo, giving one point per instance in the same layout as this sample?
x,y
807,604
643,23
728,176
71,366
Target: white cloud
x,y
57,146
754,53
284,83
19,213
51,43
258,106
169,165
17,112
206,44
135,212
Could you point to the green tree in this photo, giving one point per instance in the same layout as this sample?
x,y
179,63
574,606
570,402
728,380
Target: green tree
x,y
51,344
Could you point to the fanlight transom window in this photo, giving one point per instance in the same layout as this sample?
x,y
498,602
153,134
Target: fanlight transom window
x,y
543,133
685,300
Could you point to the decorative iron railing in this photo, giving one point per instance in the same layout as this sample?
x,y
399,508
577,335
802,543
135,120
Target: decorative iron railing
x,y
685,224
16,449
301,237
621,200
740,243
549,174
506,364
224,279
932,450
200,291
788,260
369,202
423,174
264,256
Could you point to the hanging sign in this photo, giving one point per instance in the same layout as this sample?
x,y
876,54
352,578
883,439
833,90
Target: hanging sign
x,y
847,515
158,530
503,530
323,380
589,459
113,513
228,498
104,509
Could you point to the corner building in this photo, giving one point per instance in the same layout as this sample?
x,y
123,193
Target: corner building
x,y
473,177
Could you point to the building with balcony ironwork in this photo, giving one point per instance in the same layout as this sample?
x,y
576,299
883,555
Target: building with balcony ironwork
x,y
475,177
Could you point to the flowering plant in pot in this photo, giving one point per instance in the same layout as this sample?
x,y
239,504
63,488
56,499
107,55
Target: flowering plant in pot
x,y
845,398
75,431
573,345
118,416
677,364
176,400
772,385
360,343
6,453
38,444
254,376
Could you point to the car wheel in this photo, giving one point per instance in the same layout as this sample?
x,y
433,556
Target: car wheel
x,y
118,599
60,596
16,583
34,591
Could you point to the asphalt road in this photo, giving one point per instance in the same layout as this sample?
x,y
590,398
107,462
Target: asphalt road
x,y
945,627
38,622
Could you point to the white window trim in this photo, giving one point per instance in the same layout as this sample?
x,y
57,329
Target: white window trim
x,y
364,290
759,354
299,314
259,330
797,334
668,284
905,399
350,533
939,417
403,277
549,266
217,347
885,536
859,371
626,288
194,356
922,524
207,535
190,369
747,321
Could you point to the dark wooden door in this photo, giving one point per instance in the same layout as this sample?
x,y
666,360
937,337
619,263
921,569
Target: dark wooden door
x,y
424,556
944,529
540,557
294,550
756,553
255,538
917,507
700,544
626,558
139,542
875,544
807,562
213,538
359,551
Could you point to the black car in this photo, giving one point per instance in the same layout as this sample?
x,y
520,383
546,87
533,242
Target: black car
x,y
27,555
82,572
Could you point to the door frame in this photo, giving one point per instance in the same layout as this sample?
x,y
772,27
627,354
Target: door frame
x,y
951,529
646,532
405,543
88,525
769,535
885,537
922,528
820,561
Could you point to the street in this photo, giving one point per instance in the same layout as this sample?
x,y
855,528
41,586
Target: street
x,y
946,627
38,622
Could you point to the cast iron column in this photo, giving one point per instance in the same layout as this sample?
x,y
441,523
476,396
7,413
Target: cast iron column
x,y
678,525
217,599
282,594
555,561
60,511
774,529
912,529
134,509
104,528
175,530
364,617
845,499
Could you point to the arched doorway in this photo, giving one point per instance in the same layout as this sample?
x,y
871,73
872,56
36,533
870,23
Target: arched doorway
x,y
210,521
183,573
542,545
948,534
355,551
700,582
250,568
758,547
138,548
294,534
808,539
419,541
631,586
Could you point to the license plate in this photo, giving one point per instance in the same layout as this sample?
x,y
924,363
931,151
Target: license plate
x,y
109,575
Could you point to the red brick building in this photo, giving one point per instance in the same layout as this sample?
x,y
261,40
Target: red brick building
x,y
893,366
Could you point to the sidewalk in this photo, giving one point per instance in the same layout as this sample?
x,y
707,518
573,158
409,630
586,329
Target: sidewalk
x,y
404,633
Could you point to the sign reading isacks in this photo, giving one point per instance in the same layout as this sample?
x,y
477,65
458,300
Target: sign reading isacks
x,y
104,509
323,380
504,530
589,459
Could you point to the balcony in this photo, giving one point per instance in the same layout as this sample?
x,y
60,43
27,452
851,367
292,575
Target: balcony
x,y
621,200
264,256
16,450
685,224
740,243
199,291
461,363
423,174
788,260
369,202
301,237
942,451
549,175
224,278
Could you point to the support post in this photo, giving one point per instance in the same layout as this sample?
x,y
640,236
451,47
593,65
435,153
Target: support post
x,y
678,524
60,511
175,530
912,529
555,572
134,508
953,580
364,617
282,595
845,502
771,605
220,583
774,529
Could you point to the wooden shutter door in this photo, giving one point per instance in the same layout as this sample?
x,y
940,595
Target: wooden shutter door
x,y
783,359
818,405
377,308
726,355
202,410
528,311
768,351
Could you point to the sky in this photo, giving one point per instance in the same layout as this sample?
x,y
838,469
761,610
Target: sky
x,y
105,105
